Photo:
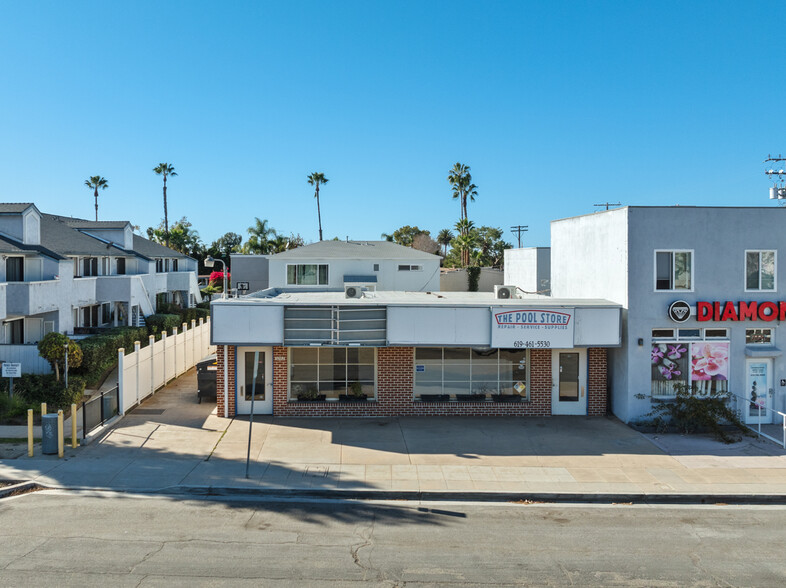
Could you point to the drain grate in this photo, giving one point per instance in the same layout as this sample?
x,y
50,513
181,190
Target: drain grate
x,y
149,411
315,471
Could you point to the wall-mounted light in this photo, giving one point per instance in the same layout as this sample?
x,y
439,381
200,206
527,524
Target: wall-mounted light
x,y
641,342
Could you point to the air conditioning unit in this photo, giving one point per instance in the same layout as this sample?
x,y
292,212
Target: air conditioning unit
x,y
353,291
505,292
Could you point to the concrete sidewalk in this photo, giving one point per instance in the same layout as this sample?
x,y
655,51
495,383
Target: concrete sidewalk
x,y
171,443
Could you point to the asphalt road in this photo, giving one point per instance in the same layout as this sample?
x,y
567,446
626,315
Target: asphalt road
x,y
50,539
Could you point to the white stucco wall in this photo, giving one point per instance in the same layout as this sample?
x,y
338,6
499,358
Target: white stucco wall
x,y
456,280
529,268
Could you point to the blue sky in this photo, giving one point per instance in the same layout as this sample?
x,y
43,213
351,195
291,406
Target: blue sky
x,y
556,106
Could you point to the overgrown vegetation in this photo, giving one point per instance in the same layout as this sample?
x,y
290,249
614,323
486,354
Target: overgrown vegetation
x,y
99,352
32,389
473,277
691,411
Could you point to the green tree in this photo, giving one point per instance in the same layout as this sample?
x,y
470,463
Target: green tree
x,y
225,245
52,347
316,179
461,183
444,237
181,237
405,235
94,183
165,170
260,236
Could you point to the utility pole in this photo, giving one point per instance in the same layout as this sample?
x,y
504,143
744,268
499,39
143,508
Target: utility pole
x,y
518,229
778,177
607,204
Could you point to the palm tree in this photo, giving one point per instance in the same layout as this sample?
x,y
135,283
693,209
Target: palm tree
x,y
94,183
461,182
165,169
260,237
466,240
444,237
316,179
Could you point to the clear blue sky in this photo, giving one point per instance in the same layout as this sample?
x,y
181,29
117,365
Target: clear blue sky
x,y
556,106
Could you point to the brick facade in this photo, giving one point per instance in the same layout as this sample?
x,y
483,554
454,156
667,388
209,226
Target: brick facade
x,y
395,370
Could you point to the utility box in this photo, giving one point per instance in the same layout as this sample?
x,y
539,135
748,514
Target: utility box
x,y
49,434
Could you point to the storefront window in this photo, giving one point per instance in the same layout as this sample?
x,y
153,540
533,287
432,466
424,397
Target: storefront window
x,y
331,371
758,336
458,372
760,270
701,364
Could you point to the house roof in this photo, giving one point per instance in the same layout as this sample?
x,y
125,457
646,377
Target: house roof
x,y
152,249
14,207
355,250
10,245
80,223
58,236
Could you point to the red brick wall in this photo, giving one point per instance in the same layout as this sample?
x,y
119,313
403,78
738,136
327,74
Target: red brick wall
x,y
597,392
220,380
395,372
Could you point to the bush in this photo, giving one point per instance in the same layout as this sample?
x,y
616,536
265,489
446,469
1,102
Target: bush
x,y
690,411
37,388
12,408
52,349
473,277
159,323
99,353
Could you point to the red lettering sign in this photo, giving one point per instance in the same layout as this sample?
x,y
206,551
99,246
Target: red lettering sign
x,y
748,311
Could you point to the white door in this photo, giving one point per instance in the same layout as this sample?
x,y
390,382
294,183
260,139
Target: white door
x,y
759,386
569,381
255,376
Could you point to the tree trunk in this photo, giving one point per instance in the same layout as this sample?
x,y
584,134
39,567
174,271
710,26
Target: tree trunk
x,y
166,218
319,214
96,195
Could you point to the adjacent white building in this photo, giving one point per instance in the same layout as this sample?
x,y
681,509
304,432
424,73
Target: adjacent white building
x,y
72,275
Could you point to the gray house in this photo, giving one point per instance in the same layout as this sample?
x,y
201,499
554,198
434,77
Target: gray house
x,y
702,300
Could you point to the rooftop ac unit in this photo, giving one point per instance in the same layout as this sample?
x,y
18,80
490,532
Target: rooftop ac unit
x,y
505,292
353,291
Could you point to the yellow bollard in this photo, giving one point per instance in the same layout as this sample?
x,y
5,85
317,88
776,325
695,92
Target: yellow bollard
x,y
30,432
60,433
43,408
73,426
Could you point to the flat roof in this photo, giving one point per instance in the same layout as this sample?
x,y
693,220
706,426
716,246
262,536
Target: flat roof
x,y
402,298
354,250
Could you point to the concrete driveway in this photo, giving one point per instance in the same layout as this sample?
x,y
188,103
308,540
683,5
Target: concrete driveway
x,y
170,441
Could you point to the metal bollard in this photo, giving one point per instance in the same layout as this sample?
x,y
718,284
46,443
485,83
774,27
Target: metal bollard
x,y
43,408
73,426
30,432
60,433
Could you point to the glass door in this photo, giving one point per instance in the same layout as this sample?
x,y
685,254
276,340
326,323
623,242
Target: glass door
x,y
759,390
569,387
254,379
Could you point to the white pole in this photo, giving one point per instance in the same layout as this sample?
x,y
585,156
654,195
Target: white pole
x,y
226,382
120,380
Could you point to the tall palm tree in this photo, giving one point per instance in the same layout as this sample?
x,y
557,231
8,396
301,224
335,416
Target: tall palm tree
x,y
260,237
316,179
466,240
461,182
165,169
444,237
94,183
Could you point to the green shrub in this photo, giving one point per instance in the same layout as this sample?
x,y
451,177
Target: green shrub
x,y
473,277
37,388
159,323
11,408
691,411
52,349
99,352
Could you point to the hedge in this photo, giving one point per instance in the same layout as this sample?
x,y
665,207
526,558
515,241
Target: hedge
x,y
99,353
37,388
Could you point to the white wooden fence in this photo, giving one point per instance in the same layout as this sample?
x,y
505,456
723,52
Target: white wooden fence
x,y
145,370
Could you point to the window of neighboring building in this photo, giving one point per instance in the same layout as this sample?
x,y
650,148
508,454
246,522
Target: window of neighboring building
x,y
105,266
89,266
331,371
106,313
410,268
673,270
166,265
461,370
307,275
159,265
759,270
121,266
758,336
174,265
15,269
376,267
15,332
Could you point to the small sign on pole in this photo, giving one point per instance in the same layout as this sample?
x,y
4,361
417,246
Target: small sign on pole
x,y
11,371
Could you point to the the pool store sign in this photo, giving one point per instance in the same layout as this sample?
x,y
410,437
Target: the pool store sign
x,y
536,328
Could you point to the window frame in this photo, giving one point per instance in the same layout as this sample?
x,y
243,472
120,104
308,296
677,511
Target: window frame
x,y
769,343
691,275
774,270
403,267
293,398
524,398
318,274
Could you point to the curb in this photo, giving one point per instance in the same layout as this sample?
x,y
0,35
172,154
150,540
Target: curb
x,y
8,490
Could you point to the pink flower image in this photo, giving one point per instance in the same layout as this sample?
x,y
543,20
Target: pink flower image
x,y
709,361
657,354
676,351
